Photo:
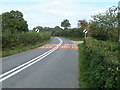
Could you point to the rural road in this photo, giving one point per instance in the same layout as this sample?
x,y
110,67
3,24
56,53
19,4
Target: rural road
x,y
57,70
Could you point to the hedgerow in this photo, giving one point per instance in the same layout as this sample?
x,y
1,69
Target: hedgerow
x,y
99,65
21,39
75,32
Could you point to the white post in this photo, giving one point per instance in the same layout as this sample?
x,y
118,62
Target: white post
x,y
85,32
85,35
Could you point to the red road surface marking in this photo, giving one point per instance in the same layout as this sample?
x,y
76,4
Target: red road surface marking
x,y
63,46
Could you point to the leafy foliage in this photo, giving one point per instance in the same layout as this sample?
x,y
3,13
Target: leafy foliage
x,y
99,65
21,39
40,28
15,31
13,21
105,25
75,32
65,24
82,23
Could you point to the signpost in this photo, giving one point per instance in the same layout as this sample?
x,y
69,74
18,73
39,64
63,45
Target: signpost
x,y
85,32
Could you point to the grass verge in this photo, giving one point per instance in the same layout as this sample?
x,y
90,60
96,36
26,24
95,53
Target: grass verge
x,y
18,49
82,84
75,39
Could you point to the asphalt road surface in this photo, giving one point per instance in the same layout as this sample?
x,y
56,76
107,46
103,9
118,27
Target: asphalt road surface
x,y
57,70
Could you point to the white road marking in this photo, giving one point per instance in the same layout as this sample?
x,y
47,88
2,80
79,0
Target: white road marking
x,y
14,71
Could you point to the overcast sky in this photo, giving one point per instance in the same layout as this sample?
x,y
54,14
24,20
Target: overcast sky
x,y
50,13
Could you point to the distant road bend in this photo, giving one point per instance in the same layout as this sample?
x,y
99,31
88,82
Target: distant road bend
x,y
42,68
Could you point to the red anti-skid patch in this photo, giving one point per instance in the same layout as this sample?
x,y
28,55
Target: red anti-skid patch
x,y
63,46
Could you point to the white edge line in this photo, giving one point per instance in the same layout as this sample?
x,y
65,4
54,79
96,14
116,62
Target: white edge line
x,y
38,59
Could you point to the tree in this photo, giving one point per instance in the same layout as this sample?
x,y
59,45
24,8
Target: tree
x,y
65,24
47,29
106,24
57,27
13,21
83,23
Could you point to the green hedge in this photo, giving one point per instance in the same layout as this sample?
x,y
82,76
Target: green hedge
x,y
99,65
22,39
76,33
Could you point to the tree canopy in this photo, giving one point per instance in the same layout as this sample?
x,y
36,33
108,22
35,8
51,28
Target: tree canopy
x,y
65,24
13,21
83,23
40,28
105,24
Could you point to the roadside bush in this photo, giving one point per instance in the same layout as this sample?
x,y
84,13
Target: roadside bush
x,y
21,39
105,26
99,65
76,33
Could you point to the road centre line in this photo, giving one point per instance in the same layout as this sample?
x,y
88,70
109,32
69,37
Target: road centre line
x,y
14,71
